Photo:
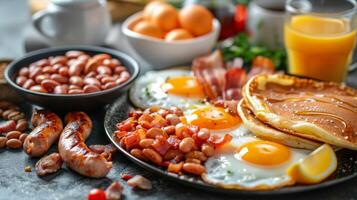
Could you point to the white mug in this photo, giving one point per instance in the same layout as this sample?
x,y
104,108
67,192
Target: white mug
x,y
83,22
266,22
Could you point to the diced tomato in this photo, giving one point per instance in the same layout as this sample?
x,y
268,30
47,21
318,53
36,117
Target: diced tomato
x,y
158,121
161,146
125,176
132,140
175,168
174,141
127,125
96,194
120,134
136,114
217,140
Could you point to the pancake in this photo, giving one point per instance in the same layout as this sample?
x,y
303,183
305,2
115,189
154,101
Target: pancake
x,y
321,111
267,132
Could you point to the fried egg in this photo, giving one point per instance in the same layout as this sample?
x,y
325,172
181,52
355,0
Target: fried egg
x,y
249,163
167,88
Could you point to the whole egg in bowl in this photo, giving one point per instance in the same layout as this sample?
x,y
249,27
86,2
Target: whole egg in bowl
x,y
167,88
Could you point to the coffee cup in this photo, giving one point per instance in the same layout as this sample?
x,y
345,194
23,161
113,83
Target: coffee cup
x,y
81,22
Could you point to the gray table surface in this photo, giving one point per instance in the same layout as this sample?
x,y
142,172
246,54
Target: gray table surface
x,y
15,39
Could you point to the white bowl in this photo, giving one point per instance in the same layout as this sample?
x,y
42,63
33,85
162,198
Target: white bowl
x,y
160,53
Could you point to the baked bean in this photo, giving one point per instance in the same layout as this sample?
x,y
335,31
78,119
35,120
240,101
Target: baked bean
x,y
42,62
92,74
14,143
21,125
24,72
49,84
74,87
109,85
58,60
193,168
138,154
74,54
91,81
107,79
3,141
60,89
181,130
177,111
172,119
104,70
90,88
153,132
203,134
84,57
13,114
6,113
152,155
41,77
207,149
63,71
91,65
59,78
48,69
119,69
76,80
38,88
192,160
76,68
23,136
13,134
146,143
172,153
75,91
17,117
101,57
28,83
57,67
170,130
197,155
186,145
20,80
111,63
124,75
35,72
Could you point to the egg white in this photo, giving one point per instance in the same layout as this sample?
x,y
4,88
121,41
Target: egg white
x,y
147,91
227,169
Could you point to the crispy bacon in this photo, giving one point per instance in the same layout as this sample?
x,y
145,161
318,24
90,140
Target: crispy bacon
x,y
210,72
235,79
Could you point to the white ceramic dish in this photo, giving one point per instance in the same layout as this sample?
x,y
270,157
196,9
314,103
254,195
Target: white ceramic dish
x,y
161,54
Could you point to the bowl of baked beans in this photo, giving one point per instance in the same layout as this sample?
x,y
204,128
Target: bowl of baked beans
x,y
72,77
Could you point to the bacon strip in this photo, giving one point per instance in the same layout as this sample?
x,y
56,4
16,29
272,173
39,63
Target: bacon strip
x,y
210,72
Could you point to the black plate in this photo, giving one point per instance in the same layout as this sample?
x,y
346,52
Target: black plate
x,y
118,111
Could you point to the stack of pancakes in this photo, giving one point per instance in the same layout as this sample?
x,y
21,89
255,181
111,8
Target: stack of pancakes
x,y
301,113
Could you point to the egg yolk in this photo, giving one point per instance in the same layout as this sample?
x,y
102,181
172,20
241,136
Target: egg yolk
x,y
186,86
212,118
264,153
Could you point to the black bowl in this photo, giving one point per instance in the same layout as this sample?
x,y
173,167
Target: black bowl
x,y
68,102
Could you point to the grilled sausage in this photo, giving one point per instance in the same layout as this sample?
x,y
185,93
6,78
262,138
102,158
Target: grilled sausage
x,y
48,127
75,152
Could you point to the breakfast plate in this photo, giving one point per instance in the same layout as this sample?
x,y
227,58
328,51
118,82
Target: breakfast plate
x,y
118,111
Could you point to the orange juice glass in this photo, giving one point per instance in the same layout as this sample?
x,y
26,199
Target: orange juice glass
x,y
320,36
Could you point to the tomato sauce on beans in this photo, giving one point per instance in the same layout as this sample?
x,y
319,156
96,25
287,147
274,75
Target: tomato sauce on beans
x,y
159,136
75,72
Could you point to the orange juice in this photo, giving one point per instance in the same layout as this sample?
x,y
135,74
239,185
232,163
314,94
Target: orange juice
x,y
319,47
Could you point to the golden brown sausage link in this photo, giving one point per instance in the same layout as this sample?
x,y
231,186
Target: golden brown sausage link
x,y
75,152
